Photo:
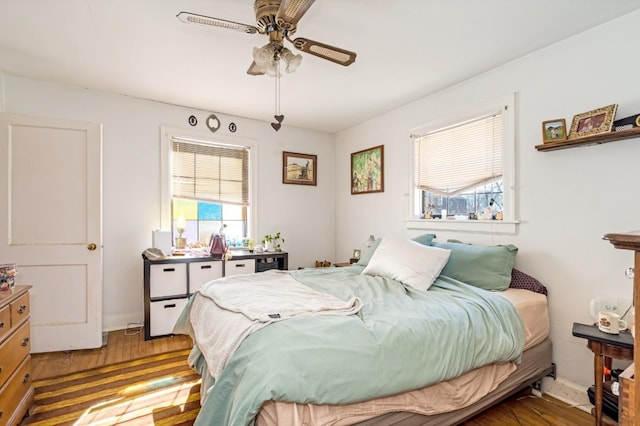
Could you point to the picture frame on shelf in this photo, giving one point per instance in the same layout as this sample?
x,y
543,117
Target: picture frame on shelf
x,y
299,169
367,170
593,122
356,254
554,130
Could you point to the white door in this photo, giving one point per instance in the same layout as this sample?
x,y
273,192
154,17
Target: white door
x,y
51,225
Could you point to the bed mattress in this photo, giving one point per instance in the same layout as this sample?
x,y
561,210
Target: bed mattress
x,y
442,403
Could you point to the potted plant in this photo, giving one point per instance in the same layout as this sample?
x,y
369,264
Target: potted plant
x,y
273,242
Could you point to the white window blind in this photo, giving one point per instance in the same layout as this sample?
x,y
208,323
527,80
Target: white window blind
x,y
210,172
455,159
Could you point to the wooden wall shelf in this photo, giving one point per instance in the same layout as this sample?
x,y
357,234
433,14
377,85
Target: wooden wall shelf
x,y
590,140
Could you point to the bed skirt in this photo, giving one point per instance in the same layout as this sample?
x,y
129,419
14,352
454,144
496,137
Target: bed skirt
x,y
536,364
440,404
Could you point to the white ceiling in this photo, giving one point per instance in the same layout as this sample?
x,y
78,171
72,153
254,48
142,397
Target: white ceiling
x,y
406,50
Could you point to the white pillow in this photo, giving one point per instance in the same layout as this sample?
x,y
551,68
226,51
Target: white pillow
x,y
407,261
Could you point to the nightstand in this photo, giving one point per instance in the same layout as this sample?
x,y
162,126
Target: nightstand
x,y
605,348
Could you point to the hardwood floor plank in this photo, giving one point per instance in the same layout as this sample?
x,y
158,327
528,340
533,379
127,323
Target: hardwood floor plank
x,y
120,347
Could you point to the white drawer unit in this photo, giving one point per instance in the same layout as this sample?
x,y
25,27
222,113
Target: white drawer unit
x,y
164,314
168,280
203,272
239,267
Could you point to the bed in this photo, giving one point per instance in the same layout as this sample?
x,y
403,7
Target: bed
x,y
399,338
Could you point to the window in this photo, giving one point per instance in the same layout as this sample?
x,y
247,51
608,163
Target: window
x,y
209,189
464,167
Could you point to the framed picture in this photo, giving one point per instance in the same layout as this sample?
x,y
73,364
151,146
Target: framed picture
x,y
356,254
593,122
299,169
554,130
367,170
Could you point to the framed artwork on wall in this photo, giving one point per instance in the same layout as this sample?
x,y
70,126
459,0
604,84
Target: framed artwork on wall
x,y
593,122
299,169
367,170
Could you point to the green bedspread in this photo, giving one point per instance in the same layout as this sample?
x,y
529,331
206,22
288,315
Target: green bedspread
x,y
402,339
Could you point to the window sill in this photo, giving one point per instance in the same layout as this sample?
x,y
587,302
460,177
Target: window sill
x,y
505,227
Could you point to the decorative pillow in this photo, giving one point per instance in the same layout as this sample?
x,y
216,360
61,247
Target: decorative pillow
x,y
521,280
487,267
366,254
409,262
424,239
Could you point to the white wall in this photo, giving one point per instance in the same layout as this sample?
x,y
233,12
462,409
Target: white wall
x,y
566,200
131,180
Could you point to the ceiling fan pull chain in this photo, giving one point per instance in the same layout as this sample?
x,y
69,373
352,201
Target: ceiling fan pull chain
x,y
279,117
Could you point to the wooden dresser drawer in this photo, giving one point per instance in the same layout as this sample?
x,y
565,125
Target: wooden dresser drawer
x,y
13,350
13,393
20,309
5,321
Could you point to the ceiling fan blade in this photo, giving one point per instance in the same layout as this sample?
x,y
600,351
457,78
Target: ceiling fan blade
x,y
325,51
253,69
192,18
290,12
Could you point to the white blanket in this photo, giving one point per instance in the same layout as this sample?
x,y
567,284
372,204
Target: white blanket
x,y
225,312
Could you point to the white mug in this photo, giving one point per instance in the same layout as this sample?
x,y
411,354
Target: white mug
x,y
610,322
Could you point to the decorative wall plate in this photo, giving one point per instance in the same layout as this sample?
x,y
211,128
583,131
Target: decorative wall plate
x,y
213,123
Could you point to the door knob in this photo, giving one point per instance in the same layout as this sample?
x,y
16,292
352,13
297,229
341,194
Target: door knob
x,y
91,246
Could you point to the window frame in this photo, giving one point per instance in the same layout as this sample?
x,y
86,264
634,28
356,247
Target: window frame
x,y
166,136
509,224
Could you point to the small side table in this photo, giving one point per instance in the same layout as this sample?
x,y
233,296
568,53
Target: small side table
x,y
605,347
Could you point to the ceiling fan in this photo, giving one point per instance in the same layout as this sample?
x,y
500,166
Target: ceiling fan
x,y
278,19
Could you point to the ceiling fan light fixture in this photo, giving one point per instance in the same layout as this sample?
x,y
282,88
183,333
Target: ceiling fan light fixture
x,y
291,61
266,59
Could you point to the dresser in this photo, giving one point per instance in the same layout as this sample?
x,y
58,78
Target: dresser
x,y
16,392
169,282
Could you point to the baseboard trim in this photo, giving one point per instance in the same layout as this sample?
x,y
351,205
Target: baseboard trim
x,y
567,392
119,322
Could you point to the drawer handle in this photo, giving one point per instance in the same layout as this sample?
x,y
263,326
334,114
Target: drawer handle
x,y
205,267
22,308
240,265
26,378
169,269
25,342
1,325
173,305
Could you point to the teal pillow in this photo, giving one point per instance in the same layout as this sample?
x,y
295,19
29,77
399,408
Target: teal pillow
x,y
366,254
487,267
424,239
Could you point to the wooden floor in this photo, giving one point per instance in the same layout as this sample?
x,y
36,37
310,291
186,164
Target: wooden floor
x,y
123,345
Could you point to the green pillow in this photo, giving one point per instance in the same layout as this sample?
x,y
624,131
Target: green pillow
x,y
424,239
487,267
366,254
